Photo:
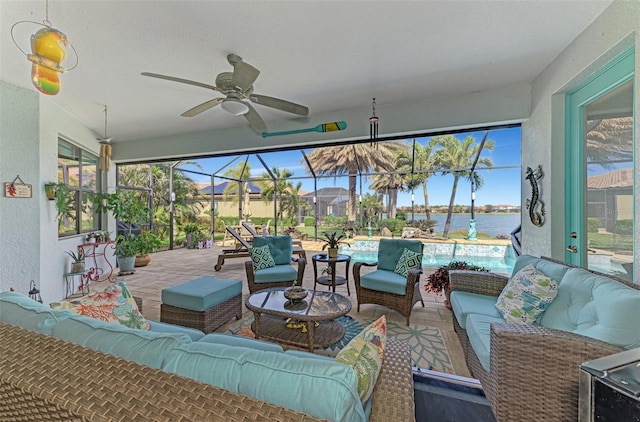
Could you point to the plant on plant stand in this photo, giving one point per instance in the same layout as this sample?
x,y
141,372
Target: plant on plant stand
x,y
77,261
127,208
439,280
332,242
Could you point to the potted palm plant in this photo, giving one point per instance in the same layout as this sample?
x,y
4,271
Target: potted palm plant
x,y
332,242
146,242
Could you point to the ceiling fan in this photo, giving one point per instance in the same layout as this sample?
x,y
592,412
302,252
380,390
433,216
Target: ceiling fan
x,y
237,86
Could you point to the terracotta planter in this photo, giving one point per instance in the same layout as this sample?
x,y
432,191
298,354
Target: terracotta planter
x,y
333,252
142,260
447,301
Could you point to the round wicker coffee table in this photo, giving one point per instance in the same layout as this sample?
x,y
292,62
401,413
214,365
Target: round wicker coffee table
x,y
318,312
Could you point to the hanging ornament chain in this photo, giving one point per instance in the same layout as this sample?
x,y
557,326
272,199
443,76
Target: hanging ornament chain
x,y
373,124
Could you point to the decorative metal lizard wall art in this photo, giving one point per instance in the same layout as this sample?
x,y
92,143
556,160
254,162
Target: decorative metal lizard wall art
x,y
537,217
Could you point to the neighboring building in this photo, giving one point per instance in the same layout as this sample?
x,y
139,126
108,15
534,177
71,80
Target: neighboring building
x,y
330,201
227,208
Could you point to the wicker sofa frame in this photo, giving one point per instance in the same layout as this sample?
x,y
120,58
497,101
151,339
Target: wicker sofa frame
x,y
45,378
534,369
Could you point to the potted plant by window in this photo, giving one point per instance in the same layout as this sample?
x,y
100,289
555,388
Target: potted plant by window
x,y
77,261
127,208
332,242
439,280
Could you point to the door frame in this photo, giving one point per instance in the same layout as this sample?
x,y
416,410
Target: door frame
x,y
615,73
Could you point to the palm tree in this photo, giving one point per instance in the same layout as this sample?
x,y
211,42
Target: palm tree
x,y
270,192
389,184
352,160
240,172
456,157
423,164
291,203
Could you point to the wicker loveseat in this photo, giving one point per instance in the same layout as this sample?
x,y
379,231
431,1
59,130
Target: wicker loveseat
x,y
531,373
47,378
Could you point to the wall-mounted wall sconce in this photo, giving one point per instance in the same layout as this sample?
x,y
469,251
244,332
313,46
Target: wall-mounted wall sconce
x,y
50,189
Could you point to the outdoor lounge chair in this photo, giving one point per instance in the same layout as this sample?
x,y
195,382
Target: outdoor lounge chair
x,y
386,287
282,274
242,249
297,243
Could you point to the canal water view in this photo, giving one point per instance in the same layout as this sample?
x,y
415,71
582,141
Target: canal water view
x,y
493,224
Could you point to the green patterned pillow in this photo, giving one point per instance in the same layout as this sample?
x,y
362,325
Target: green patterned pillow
x,y
365,353
526,296
408,261
261,257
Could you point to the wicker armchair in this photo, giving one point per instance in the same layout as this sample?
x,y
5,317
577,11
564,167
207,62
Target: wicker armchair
x,y
534,369
369,287
283,274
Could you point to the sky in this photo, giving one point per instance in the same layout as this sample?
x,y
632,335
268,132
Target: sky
x,y
501,186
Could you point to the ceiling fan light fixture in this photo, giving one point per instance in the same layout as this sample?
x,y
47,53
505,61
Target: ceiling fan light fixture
x,y
235,107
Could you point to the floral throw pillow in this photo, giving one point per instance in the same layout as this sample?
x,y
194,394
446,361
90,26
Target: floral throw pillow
x,y
408,260
114,304
261,257
365,353
526,296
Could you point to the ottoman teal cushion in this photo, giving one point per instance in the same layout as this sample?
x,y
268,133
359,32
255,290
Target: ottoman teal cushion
x,y
202,293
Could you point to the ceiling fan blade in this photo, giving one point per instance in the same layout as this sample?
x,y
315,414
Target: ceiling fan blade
x,y
283,105
182,81
202,107
254,119
244,75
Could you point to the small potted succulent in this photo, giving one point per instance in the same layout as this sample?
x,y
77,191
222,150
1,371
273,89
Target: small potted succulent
x,y
332,242
439,280
77,261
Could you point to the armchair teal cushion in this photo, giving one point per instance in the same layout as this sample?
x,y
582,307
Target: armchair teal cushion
x,y
384,281
390,251
276,274
281,248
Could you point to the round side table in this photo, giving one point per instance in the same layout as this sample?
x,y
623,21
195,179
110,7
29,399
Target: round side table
x,y
332,280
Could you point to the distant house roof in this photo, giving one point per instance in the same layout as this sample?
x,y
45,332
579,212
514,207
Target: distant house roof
x,y
334,195
622,178
219,188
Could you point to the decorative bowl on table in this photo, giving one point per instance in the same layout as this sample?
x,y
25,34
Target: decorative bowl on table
x,y
295,293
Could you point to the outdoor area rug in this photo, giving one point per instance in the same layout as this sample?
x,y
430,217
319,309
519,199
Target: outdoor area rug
x,y
428,350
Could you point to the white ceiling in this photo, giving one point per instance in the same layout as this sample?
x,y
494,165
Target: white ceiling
x,y
327,55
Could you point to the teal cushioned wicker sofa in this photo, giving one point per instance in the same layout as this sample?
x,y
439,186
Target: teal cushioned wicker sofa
x,y
277,381
530,372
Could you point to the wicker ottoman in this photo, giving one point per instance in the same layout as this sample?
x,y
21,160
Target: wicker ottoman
x,y
205,303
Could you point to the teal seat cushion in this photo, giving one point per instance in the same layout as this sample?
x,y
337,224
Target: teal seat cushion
x,y
307,355
318,387
18,309
142,346
163,327
202,293
390,251
465,303
479,333
384,281
241,342
596,306
275,274
281,247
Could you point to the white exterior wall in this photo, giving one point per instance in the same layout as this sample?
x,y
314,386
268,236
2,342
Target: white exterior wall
x,y
543,139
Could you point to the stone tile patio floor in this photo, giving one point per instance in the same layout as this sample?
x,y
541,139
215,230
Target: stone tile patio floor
x,y
177,266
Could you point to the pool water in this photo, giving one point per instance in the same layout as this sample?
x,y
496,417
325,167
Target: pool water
x,y
498,258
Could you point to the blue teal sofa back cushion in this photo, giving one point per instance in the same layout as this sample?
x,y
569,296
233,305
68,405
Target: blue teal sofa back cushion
x,y
390,250
596,307
550,269
318,387
281,247
142,346
18,309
